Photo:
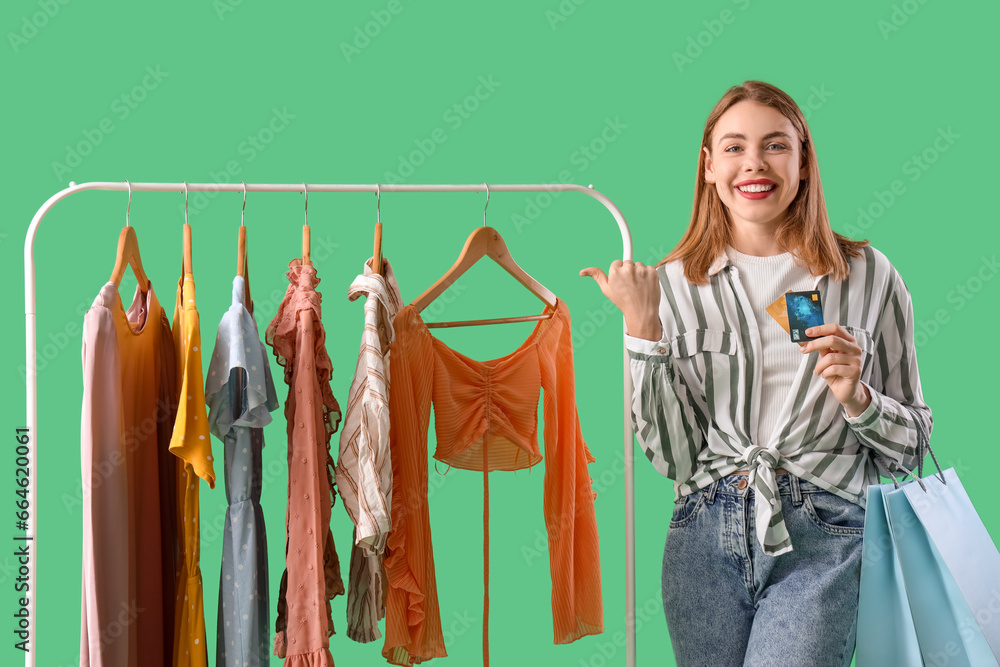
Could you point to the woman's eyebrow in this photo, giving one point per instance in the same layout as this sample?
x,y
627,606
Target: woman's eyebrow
x,y
737,135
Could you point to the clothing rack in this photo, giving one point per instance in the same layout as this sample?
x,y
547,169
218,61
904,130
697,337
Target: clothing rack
x,y
31,532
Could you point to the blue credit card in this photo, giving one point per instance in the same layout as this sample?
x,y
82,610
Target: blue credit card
x,y
805,309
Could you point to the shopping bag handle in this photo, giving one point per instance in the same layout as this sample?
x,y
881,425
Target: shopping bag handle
x,y
922,442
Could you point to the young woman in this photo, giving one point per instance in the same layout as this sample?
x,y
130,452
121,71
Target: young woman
x,y
771,445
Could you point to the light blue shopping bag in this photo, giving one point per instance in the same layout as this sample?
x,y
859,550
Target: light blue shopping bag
x,y
930,578
945,626
962,545
886,635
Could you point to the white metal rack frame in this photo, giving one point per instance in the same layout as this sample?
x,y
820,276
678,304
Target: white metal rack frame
x,y
31,534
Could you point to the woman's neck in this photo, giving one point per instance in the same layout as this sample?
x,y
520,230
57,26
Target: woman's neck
x,y
758,240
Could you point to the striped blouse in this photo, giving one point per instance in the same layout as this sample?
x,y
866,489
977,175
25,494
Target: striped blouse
x,y
696,396
364,465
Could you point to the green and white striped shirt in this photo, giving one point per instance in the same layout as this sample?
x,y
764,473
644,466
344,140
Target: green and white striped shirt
x,y
696,392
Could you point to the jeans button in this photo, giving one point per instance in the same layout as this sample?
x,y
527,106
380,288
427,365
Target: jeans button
x,y
742,484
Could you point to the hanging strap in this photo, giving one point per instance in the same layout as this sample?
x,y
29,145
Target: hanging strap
x,y
486,555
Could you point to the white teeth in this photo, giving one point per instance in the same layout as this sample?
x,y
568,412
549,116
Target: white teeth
x,y
756,188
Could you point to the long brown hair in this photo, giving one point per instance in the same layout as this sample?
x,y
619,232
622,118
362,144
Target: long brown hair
x,y
805,230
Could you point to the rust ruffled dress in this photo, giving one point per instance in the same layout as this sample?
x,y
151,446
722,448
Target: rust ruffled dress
x,y
486,418
312,576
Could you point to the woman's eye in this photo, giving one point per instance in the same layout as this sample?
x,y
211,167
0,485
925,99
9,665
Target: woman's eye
x,y
777,145
732,149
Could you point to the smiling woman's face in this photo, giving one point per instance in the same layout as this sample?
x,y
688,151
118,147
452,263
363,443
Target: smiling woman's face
x,y
755,163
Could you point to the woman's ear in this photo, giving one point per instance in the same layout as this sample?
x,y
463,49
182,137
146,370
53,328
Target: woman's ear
x,y
709,169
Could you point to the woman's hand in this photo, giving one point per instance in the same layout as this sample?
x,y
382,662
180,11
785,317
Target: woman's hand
x,y
635,290
840,365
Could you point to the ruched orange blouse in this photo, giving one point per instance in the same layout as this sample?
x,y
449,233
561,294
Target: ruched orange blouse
x,y
486,418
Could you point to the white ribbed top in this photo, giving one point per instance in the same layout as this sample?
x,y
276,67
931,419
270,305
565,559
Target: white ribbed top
x,y
765,279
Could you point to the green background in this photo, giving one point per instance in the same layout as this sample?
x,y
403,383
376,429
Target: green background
x,y
878,93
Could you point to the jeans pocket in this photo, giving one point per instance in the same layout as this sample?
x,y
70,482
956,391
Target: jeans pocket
x,y
686,507
833,514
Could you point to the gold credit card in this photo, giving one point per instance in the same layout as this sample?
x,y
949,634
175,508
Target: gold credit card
x,y
779,311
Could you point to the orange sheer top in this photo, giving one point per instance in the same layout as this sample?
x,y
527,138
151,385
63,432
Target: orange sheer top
x,y
486,418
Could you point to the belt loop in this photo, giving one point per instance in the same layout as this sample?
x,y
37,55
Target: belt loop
x,y
710,492
796,491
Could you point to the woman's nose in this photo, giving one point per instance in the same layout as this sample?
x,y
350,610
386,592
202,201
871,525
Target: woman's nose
x,y
754,161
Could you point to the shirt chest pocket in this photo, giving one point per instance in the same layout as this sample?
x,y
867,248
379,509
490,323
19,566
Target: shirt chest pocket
x,y
705,356
866,342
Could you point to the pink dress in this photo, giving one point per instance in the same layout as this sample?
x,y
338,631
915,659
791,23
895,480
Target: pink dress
x,y
312,575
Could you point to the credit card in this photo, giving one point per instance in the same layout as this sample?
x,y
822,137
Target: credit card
x,y
779,311
804,310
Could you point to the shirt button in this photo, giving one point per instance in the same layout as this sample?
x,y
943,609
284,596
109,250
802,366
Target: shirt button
x,y
742,484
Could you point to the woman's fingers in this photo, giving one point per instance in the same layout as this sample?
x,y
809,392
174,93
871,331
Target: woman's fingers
x,y
632,287
598,275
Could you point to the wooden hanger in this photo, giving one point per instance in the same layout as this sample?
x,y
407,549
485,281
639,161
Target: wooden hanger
x,y
305,231
128,253
485,242
186,268
305,245
377,254
187,249
242,267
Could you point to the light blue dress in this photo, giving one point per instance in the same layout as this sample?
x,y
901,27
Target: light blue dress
x,y
240,397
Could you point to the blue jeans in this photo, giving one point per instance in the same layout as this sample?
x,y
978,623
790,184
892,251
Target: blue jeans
x,y
728,604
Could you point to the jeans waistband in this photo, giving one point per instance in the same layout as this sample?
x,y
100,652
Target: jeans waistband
x,y
788,484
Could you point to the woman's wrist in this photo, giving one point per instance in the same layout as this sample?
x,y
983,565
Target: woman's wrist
x,y
649,330
860,403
